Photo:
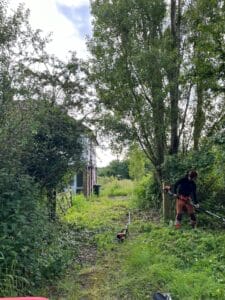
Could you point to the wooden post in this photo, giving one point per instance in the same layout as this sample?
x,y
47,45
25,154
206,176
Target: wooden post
x,y
168,206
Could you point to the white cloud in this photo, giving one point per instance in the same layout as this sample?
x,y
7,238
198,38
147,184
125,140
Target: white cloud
x,y
104,157
76,3
44,15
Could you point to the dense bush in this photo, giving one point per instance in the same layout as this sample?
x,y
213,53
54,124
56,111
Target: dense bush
x,y
20,229
209,162
147,192
32,250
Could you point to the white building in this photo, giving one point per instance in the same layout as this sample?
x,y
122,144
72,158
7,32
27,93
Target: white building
x,y
85,180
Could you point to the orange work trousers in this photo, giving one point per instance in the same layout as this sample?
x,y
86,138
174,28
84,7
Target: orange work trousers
x,y
183,205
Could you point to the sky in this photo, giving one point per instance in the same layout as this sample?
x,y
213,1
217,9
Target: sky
x,y
69,22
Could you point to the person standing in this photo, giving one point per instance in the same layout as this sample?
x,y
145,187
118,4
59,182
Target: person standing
x,y
185,190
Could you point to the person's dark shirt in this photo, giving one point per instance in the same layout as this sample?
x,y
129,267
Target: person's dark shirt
x,y
186,187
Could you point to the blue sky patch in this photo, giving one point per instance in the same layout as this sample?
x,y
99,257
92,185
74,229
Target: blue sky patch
x,y
79,16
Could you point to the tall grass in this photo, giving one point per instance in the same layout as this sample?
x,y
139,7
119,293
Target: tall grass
x,y
96,212
111,186
188,264
103,211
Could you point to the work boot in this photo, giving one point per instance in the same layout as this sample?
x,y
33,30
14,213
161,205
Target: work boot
x,y
177,226
193,224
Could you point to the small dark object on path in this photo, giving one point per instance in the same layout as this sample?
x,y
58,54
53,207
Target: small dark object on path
x,y
122,235
161,296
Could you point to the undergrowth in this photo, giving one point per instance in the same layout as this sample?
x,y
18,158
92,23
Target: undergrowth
x,y
188,264
95,213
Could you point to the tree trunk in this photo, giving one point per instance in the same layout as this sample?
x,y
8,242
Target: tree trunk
x,y
199,118
173,75
168,206
159,130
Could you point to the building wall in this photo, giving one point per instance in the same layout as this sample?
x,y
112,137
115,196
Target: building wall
x,y
84,181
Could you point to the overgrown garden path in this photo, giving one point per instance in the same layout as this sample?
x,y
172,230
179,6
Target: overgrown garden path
x,y
188,264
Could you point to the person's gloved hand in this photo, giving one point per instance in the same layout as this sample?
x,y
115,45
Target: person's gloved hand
x,y
172,194
196,205
167,188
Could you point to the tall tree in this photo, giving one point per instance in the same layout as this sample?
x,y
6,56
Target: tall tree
x,y
127,69
28,71
173,71
205,31
54,150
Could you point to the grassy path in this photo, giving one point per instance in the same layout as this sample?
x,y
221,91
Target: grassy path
x,y
188,264
99,219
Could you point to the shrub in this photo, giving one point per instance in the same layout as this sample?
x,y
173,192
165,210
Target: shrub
x,y
147,193
32,249
209,163
19,230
